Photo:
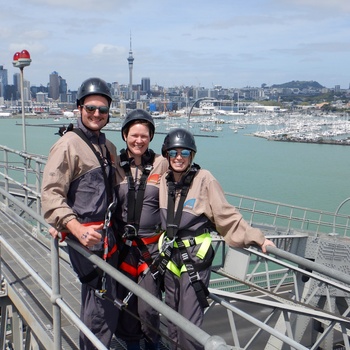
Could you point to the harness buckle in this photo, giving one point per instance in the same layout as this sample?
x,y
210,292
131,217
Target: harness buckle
x,y
155,274
148,167
130,232
167,244
194,277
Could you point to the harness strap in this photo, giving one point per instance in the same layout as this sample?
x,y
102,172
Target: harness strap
x,y
198,285
132,270
145,240
135,204
173,219
173,222
136,196
108,180
89,277
204,240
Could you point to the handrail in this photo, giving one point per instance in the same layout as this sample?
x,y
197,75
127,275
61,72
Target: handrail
x,y
285,220
288,215
197,333
256,209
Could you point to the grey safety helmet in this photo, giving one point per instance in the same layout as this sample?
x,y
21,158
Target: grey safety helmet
x,y
138,115
178,138
93,86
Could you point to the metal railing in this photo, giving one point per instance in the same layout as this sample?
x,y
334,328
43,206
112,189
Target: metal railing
x,y
290,216
267,274
210,342
25,171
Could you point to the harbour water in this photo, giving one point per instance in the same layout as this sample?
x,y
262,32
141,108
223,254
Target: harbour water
x,y
302,174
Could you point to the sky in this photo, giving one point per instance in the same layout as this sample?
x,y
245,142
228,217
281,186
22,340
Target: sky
x,y
232,43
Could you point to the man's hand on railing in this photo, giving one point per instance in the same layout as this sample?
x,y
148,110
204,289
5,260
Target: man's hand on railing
x,y
56,234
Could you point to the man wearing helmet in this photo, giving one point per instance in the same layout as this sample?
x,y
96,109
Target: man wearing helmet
x,y
192,204
77,189
137,216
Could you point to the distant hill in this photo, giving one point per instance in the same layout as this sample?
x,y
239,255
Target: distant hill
x,y
299,85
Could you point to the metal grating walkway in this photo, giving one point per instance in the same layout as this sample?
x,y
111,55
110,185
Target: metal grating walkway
x,y
37,255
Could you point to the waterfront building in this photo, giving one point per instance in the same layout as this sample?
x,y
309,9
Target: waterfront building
x,y
54,87
41,97
146,85
63,90
17,85
26,90
3,80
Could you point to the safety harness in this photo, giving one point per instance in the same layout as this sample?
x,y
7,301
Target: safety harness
x,y
108,249
135,203
170,240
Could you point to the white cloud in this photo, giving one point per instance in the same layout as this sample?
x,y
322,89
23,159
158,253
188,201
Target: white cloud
x,y
108,49
185,42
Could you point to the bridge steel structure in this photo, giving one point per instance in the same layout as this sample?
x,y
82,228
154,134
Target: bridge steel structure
x,y
294,297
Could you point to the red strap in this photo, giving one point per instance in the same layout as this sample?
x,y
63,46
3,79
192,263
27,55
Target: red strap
x,y
146,240
63,236
95,223
133,271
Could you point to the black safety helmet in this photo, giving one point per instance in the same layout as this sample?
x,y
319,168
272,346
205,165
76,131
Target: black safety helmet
x,y
178,138
135,115
93,86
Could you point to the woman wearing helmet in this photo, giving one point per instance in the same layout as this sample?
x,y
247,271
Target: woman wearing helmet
x,y
192,204
137,216
77,189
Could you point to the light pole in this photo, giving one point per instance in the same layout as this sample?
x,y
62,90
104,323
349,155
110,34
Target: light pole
x,y
21,60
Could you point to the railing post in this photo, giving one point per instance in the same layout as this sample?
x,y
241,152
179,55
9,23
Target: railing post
x,y
6,181
56,311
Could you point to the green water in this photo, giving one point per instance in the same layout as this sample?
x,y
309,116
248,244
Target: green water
x,y
307,175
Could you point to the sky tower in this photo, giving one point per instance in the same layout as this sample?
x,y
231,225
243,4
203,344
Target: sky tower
x,y
130,60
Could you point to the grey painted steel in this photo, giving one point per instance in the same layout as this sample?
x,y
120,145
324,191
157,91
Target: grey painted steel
x,y
333,282
324,270
56,294
290,307
55,299
258,323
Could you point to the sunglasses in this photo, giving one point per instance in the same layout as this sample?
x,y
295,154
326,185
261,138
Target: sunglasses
x,y
185,153
92,108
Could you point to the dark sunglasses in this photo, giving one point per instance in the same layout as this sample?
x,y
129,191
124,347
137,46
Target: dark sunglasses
x,y
92,108
185,153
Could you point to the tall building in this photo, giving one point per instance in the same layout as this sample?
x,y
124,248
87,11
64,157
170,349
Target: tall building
x,y
17,84
146,85
3,80
63,89
131,62
26,90
54,87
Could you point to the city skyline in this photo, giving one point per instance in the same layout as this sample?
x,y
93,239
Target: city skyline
x,y
232,44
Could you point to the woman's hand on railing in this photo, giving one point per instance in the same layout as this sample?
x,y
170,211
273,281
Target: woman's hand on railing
x,y
266,243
